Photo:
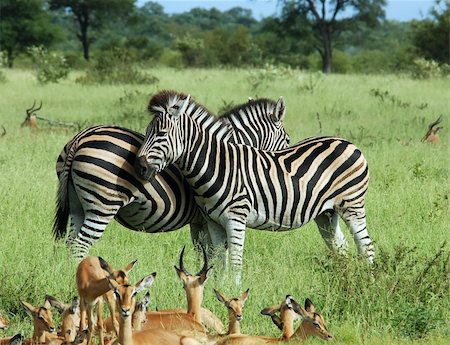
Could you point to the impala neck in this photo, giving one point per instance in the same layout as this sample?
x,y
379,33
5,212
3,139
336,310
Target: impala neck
x,y
125,331
194,299
234,327
39,337
288,324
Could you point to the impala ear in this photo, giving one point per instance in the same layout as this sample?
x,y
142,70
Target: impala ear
x,y
244,295
221,297
280,110
28,308
145,282
55,303
183,107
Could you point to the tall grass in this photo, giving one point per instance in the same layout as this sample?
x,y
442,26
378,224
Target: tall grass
x,y
404,297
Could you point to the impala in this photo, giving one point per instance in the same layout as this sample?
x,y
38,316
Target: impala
x,y
92,278
125,296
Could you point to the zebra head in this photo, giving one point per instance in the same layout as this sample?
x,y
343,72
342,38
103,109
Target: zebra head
x,y
259,123
162,143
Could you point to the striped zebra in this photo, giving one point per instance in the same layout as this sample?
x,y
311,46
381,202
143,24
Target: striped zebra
x,y
97,180
236,186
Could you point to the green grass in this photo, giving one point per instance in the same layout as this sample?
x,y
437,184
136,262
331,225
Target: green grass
x,y
404,298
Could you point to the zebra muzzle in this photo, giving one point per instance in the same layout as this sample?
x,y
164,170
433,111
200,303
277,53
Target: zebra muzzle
x,y
143,169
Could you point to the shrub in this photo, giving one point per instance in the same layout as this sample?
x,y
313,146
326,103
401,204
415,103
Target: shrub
x,y
116,66
50,67
425,69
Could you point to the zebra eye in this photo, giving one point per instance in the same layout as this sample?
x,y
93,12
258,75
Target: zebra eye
x,y
176,107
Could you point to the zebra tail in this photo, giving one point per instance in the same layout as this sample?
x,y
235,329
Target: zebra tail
x,y
62,196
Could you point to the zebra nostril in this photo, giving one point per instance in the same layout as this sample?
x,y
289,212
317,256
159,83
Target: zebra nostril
x,y
141,167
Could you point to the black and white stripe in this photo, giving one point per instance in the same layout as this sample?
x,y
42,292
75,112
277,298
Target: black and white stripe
x,y
237,185
97,181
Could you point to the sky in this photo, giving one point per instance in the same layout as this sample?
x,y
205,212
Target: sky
x,y
402,10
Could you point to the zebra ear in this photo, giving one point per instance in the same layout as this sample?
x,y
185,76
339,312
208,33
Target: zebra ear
x,y
280,110
183,107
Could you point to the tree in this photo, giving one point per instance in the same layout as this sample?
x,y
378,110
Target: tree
x,y
24,24
431,37
327,19
92,14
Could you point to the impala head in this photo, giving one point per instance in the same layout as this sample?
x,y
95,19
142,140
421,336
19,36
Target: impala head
x,y
139,315
70,316
120,276
315,325
125,295
162,144
42,317
197,281
234,305
30,119
432,134
259,123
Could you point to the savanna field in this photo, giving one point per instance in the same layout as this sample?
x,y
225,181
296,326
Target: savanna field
x,y
404,298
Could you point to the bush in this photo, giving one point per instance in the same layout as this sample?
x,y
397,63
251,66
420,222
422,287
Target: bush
x,y
425,69
405,288
116,66
50,67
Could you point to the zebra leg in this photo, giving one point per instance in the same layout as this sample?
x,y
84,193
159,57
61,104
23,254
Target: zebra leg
x,y
91,230
218,236
235,239
199,233
328,223
355,218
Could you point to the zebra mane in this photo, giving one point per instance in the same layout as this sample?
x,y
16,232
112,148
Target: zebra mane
x,y
195,110
236,111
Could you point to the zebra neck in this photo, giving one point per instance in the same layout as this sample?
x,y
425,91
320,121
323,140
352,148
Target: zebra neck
x,y
201,136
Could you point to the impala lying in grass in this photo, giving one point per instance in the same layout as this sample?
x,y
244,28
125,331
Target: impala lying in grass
x,y
312,325
195,317
70,317
125,296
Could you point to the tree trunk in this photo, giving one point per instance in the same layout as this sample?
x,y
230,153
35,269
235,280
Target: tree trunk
x,y
9,57
85,43
83,21
327,52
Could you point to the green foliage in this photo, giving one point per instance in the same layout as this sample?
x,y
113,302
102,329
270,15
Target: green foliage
x,y
430,36
132,111
324,23
261,78
402,288
2,77
92,15
50,67
23,24
116,66
425,69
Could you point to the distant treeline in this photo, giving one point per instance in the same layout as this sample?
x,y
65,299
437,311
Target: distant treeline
x,y
302,36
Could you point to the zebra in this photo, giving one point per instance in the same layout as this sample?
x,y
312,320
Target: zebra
x,y
97,181
235,185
